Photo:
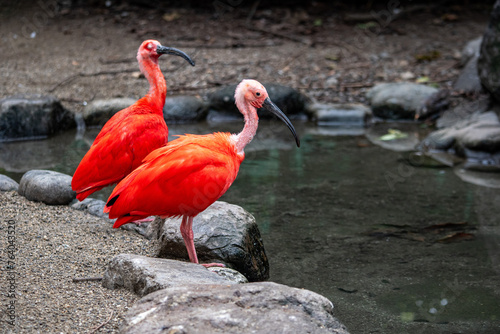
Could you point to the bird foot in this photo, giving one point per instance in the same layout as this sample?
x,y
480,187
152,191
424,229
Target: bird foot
x,y
145,220
208,265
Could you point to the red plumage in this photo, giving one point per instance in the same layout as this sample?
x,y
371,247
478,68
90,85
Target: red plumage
x,y
182,178
188,174
130,134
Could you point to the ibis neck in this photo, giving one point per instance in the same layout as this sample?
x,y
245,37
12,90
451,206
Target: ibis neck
x,y
157,85
251,123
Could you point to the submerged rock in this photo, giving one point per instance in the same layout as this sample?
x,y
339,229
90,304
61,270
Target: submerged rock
x,y
399,100
223,233
290,101
341,115
47,186
8,184
98,112
184,109
406,141
488,63
143,275
244,308
476,138
28,117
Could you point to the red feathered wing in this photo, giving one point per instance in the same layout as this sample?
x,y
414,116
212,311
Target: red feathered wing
x,y
120,147
182,178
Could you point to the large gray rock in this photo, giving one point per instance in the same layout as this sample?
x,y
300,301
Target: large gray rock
x,y
28,117
98,112
143,275
476,138
47,186
488,63
260,308
341,115
7,184
400,100
290,101
223,233
184,109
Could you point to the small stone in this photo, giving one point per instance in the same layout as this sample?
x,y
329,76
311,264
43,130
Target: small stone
x,y
93,206
399,100
7,184
47,186
407,75
144,275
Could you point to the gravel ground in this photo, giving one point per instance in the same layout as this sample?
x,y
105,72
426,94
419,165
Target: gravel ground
x,y
53,245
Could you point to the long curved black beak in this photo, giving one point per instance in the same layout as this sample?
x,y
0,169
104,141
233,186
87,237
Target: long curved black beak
x,y
270,106
160,49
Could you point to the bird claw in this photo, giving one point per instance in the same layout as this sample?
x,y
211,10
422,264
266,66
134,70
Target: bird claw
x,y
145,220
208,265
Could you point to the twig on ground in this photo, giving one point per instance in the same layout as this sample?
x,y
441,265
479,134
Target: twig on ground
x,y
104,323
86,279
355,85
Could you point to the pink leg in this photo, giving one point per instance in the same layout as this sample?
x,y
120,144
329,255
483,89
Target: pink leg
x,y
144,220
187,235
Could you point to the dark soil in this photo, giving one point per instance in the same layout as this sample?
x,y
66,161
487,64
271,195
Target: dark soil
x,y
328,53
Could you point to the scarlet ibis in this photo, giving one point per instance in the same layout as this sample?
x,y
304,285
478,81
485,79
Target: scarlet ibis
x,y
131,133
191,172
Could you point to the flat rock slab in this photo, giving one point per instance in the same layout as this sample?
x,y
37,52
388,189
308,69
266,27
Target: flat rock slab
x,y
223,233
246,308
8,184
29,117
399,100
47,186
144,275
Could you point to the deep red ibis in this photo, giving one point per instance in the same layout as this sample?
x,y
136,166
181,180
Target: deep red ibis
x,y
190,173
131,133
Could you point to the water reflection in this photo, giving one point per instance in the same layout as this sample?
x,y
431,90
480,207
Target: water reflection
x,y
317,207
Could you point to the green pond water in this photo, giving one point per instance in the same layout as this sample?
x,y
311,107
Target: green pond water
x,y
396,248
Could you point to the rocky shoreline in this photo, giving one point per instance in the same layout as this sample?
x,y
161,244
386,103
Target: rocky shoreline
x,y
61,251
